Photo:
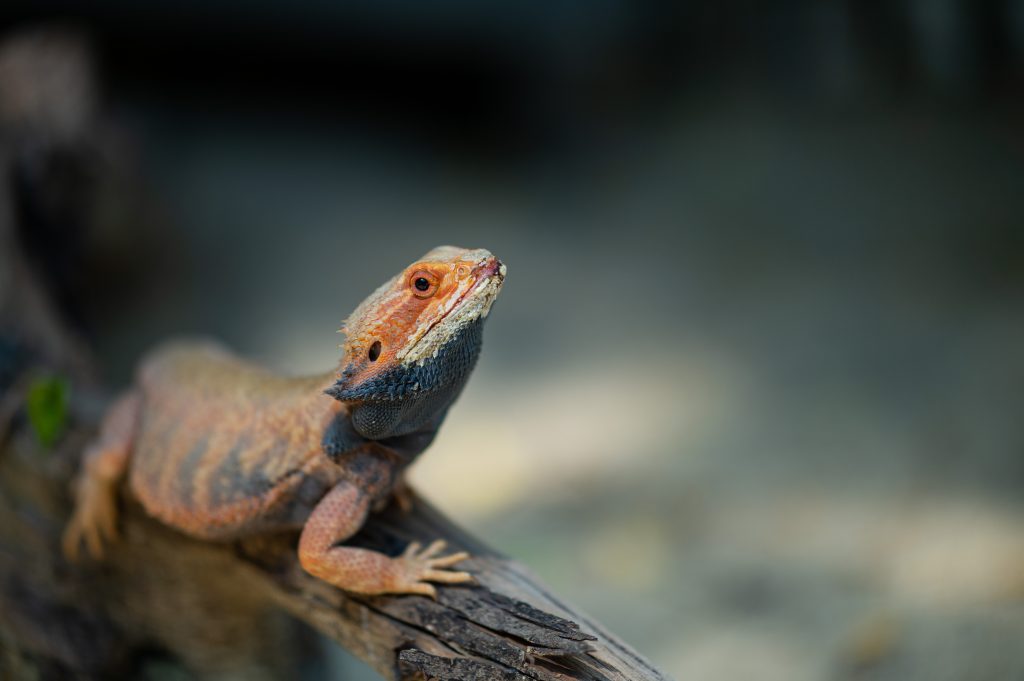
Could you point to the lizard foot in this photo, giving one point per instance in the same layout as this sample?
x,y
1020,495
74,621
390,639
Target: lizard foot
x,y
94,521
417,567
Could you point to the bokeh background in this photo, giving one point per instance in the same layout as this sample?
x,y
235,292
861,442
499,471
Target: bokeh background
x,y
754,392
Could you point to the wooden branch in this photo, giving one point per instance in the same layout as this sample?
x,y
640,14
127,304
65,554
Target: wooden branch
x,y
508,626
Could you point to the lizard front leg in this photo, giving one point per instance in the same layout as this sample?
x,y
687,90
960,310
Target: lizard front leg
x,y
94,520
338,516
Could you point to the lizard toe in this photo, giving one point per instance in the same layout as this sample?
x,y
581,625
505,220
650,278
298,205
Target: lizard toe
x,y
448,577
421,589
94,541
449,560
436,547
71,542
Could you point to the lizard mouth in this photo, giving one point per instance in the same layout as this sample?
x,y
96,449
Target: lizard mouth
x,y
483,274
473,303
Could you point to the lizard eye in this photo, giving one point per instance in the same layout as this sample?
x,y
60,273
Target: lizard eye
x,y
423,284
374,351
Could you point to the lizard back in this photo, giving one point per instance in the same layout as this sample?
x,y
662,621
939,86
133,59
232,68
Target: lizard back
x,y
226,448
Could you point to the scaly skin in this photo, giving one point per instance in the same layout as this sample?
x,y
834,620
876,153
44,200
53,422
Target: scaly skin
x,y
221,449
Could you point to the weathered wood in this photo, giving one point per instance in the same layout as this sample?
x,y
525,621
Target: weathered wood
x,y
509,620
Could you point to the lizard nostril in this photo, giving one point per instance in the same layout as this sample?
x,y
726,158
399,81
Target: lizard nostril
x,y
374,351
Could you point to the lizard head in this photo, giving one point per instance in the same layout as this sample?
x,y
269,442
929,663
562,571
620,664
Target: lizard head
x,y
418,335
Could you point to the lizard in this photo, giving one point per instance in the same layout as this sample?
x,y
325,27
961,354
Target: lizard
x,y
220,448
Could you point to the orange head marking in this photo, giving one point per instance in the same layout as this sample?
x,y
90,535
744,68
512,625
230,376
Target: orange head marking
x,y
407,320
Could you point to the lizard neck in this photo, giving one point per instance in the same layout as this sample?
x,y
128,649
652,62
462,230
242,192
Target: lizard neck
x,y
341,440
403,407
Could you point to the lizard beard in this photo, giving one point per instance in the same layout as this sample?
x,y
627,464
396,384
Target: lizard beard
x,y
404,399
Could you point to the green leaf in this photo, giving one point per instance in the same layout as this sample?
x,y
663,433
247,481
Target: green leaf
x,y
48,408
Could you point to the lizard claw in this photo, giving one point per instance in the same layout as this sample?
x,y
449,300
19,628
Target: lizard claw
x,y
419,566
93,523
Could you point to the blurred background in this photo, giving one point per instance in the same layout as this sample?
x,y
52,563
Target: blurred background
x,y
753,394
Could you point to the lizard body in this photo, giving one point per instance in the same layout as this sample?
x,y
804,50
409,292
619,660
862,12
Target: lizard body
x,y
220,448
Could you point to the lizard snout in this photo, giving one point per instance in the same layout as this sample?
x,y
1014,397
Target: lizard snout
x,y
490,267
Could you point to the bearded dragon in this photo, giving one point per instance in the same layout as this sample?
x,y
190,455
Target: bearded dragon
x,y
220,449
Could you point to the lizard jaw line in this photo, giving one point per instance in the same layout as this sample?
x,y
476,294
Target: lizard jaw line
x,y
483,291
